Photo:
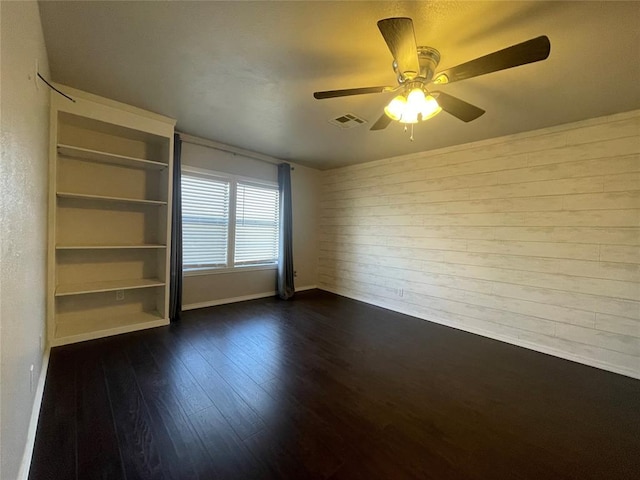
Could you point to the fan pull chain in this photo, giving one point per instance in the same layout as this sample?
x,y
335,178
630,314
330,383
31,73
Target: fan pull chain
x,y
406,129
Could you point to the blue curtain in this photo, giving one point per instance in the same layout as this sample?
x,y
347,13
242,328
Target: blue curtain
x,y
175,287
286,288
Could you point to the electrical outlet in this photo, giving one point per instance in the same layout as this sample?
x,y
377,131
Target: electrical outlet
x,y
295,273
31,377
119,295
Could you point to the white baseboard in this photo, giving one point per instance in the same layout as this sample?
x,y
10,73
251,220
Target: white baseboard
x,y
243,298
223,301
513,341
308,287
25,464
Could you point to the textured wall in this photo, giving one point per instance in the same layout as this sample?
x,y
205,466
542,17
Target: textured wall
x,y
23,209
531,238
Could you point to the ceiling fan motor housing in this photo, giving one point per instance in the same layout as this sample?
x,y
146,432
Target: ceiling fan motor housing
x,y
429,59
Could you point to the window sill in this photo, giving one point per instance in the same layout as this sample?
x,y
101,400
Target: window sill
x,y
218,271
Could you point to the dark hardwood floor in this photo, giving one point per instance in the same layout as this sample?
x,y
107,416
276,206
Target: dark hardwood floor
x,y
323,387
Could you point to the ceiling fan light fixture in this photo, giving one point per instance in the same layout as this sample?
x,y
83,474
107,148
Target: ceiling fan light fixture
x,y
416,106
396,108
413,108
430,108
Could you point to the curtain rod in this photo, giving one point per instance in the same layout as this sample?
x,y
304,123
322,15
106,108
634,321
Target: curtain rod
x,y
185,137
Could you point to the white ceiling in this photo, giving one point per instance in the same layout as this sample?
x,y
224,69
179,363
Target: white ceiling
x,y
243,73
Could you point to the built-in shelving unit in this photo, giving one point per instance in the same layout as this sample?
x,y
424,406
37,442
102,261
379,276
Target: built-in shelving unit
x,y
74,330
84,196
106,286
87,155
106,247
109,218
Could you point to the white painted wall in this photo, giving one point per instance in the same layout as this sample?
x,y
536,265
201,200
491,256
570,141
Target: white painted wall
x,y
305,199
210,289
23,228
533,238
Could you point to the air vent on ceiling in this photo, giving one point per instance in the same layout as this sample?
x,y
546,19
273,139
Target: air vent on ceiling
x,y
348,120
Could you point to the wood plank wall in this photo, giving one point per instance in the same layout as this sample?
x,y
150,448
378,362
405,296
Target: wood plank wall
x,y
533,238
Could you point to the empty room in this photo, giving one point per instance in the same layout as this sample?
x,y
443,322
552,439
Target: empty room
x,y
333,240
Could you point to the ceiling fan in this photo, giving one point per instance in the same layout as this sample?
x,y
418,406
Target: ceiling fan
x,y
415,68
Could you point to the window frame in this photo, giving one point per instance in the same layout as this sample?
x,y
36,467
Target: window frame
x,y
231,233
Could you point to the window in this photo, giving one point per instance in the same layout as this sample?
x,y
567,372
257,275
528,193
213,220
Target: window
x,y
205,221
228,222
256,224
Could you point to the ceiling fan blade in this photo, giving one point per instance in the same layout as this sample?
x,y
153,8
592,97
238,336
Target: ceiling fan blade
x,y
458,108
350,91
530,51
401,40
382,123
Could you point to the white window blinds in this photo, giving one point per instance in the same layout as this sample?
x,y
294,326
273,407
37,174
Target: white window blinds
x,y
256,233
205,221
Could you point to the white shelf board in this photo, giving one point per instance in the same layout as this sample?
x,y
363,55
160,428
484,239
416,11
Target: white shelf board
x,y
71,331
110,247
111,158
106,286
83,196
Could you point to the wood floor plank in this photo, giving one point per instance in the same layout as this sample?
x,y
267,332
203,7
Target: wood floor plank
x,y
324,387
55,452
282,459
98,451
317,446
140,444
185,388
243,385
243,419
230,459
180,443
